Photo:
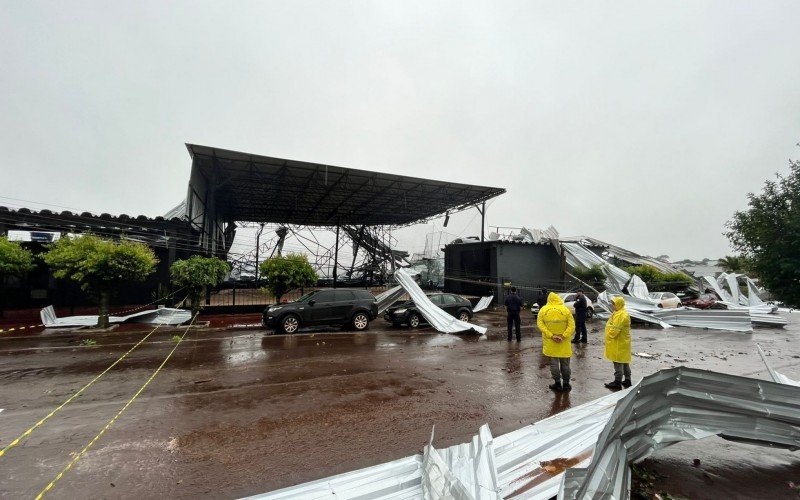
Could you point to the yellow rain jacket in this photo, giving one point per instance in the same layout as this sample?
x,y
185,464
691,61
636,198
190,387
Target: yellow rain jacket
x,y
618,333
555,319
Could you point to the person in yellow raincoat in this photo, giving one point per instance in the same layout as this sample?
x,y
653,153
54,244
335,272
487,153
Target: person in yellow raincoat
x,y
618,344
557,326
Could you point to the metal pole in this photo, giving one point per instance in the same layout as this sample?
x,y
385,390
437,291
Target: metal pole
x,y
336,255
483,219
258,245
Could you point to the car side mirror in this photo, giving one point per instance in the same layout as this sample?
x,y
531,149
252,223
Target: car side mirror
x,y
312,302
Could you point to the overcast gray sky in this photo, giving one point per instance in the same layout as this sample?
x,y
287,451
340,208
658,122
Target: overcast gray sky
x,y
640,123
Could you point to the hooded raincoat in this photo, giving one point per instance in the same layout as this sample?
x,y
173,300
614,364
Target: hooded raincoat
x,y
555,319
618,333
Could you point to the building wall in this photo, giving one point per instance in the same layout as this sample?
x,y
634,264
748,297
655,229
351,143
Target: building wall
x,y
524,265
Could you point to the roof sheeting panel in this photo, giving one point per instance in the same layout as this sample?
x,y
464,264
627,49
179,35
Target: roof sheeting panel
x,y
265,189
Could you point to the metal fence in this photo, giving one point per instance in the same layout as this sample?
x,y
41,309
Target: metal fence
x,y
244,294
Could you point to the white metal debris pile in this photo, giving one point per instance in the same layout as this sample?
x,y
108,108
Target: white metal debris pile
x,y
433,314
740,312
163,316
586,441
684,404
726,286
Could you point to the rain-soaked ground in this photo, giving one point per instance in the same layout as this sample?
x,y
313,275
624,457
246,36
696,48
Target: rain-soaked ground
x,y
239,411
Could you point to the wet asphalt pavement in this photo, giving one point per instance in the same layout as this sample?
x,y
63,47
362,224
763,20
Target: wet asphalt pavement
x,y
239,411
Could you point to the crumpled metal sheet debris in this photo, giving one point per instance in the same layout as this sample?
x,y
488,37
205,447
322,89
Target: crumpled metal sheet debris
x,y
683,404
713,319
483,303
163,316
776,376
389,297
582,445
578,255
435,316
523,464
605,301
398,479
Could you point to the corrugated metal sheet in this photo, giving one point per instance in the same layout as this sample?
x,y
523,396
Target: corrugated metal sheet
x,y
389,297
397,480
483,303
776,376
715,319
593,442
163,316
678,405
437,317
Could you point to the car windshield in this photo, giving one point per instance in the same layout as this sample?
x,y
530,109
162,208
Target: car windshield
x,y
307,296
655,295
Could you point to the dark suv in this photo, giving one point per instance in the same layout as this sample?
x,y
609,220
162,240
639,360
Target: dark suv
x,y
323,307
407,312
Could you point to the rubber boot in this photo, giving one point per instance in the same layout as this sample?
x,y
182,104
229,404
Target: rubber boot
x,y
566,385
626,383
557,386
616,385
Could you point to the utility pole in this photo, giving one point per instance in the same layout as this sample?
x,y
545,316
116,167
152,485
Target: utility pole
x,y
336,254
258,246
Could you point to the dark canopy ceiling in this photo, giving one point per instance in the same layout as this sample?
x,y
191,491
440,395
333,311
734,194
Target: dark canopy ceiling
x,y
263,189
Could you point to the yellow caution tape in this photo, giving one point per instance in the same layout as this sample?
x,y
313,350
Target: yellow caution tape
x,y
114,419
5,330
28,432
120,313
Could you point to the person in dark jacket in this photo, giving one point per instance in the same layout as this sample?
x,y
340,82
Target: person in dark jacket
x,y
513,307
580,318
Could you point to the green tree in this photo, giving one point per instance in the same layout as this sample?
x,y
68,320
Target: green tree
x,y
287,272
196,273
592,276
656,280
100,265
733,264
14,261
767,234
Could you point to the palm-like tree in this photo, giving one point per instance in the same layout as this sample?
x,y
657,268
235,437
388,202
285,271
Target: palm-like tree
x,y
733,264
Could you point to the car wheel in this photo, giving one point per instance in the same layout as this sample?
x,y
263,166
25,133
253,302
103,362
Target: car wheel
x,y
360,321
589,312
463,316
290,324
413,320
